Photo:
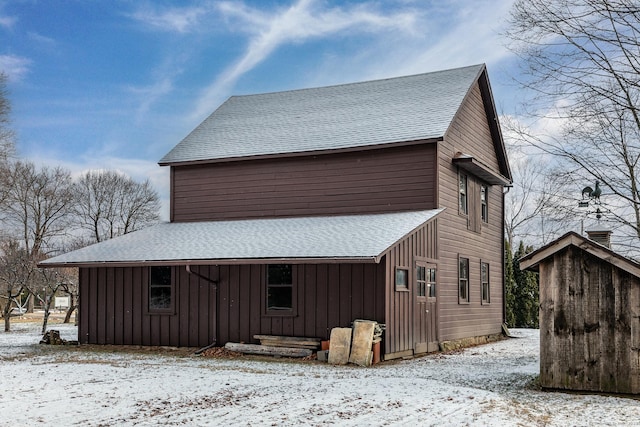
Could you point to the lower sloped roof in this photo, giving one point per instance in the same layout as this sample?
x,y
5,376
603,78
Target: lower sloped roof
x,y
310,239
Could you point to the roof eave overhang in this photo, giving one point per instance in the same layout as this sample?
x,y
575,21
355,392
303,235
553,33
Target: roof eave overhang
x,y
303,153
223,261
477,168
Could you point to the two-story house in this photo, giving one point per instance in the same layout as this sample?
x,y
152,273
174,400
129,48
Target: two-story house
x,y
296,212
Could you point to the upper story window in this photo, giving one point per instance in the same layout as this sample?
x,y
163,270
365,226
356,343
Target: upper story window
x,y
279,288
160,290
463,196
463,280
484,206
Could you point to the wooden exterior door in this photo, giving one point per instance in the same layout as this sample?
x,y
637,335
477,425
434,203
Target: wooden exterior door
x,y
425,308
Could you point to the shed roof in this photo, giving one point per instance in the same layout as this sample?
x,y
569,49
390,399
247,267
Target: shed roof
x,y
356,115
533,260
362,238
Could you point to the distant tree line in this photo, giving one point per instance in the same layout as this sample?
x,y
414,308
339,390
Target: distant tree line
x,y
44,211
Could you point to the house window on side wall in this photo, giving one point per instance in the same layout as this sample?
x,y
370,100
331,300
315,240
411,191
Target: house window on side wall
x,y
463,280
160,290
484,208
279,289
484,280
402,279
463,195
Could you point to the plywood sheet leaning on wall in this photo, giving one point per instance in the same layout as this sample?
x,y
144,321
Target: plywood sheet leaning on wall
x,y
363,332
339,346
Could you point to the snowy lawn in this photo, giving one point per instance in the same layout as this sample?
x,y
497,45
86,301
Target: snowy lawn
x,y
89,385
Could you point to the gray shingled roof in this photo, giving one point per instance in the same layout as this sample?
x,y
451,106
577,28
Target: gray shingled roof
x,y
363,237
329,118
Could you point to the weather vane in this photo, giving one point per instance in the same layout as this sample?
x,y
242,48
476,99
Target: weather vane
x,y
588,194
591,194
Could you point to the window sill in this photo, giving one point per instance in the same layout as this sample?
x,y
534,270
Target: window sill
x,y
161,313
290,313
402,289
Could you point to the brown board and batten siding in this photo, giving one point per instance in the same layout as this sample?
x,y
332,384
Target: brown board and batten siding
x,y
401,333
370,181
327,296
460,235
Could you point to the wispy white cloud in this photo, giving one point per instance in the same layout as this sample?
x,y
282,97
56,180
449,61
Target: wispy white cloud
x,y
7,22
150,94
304,20
175,19
15,67
470,34
39,38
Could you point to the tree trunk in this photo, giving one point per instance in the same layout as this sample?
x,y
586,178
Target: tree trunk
x,y
70,310
47,311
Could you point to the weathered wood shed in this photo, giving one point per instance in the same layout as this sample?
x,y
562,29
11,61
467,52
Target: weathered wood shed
x,y
589,316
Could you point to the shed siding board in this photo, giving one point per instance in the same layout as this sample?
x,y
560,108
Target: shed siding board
x,y
634,362
469,134
589,324
332,295
372,181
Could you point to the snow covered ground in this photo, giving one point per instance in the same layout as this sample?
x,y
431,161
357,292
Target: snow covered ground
x,y
485,385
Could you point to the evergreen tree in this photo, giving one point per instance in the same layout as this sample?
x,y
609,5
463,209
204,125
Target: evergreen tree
x,y
510,286
522,293
526,292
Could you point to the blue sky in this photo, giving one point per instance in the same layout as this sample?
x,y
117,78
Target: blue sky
x,y
116,84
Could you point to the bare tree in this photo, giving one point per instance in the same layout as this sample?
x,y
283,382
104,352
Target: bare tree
x,y
16,272
51,281
7,145
38,204
6,133
581,64
109,204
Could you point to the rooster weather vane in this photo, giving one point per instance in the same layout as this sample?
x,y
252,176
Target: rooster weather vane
x,y
591,193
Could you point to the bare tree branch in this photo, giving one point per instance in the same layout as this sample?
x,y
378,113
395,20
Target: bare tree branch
x,y
581,65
